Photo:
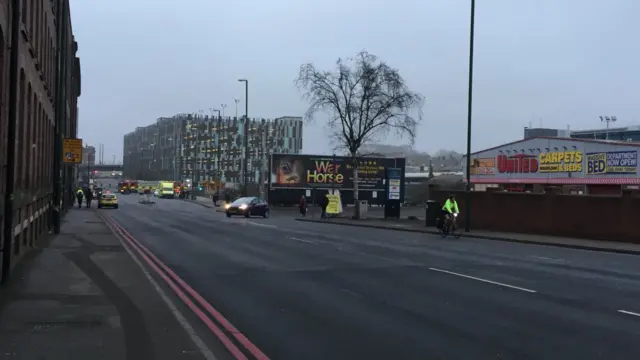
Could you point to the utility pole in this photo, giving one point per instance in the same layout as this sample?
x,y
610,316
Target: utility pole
x,y
219,167
467,200
246,135
14,68
89,166
194,181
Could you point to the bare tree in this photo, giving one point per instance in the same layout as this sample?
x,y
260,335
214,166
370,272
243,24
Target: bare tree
x,y
365,99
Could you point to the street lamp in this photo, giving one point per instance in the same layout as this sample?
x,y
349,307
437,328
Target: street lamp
x,y
608,120
246,133
467,226
223,106
236,101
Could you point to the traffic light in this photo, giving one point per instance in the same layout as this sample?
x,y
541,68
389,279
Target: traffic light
x,y
199,188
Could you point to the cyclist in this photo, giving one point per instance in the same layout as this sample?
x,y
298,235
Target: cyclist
x,y
450,207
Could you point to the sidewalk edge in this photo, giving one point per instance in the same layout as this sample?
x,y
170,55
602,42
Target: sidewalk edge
x,y
485,237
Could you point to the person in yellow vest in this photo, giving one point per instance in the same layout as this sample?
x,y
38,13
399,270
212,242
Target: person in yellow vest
x,y
450,207
79,197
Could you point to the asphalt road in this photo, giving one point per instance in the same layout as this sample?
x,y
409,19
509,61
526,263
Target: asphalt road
x,y
314,291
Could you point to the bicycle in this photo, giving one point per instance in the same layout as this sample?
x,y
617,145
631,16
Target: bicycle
x,y
450,227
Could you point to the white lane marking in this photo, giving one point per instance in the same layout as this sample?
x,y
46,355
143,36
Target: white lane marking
x,y
483,280
191,332
546,258
629,312
258,224
304,241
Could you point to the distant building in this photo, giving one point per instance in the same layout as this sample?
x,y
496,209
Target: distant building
x,y
530,133
89,155
626,134
205,148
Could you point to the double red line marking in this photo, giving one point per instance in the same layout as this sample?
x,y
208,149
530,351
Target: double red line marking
x,y
181,289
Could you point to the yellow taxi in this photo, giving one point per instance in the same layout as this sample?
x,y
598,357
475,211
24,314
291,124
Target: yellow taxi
x,y
108,200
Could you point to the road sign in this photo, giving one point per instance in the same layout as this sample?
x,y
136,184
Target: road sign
x,y
72,151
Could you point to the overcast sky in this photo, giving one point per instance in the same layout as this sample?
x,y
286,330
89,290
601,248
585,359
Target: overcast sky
x,y
557,63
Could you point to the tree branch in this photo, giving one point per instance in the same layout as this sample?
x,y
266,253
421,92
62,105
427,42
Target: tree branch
x,y
364,97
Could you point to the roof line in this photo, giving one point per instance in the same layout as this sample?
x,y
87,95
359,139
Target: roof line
x,y
620,143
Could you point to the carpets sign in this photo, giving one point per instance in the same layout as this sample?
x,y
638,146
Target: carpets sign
x,y
561,161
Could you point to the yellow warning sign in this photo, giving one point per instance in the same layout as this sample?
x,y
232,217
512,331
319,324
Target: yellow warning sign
x,y
72,151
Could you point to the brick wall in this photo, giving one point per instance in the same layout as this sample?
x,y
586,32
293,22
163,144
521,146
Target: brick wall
x,y
590,217
36,116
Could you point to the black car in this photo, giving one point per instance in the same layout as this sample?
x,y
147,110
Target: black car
x,y
248,206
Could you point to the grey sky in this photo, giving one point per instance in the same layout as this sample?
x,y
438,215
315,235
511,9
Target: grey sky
x,y
562,61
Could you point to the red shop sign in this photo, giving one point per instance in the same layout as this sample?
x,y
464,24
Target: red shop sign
x,y
521,164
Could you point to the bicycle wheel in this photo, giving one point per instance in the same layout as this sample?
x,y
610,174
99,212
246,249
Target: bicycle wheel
x,y
445,230
455,232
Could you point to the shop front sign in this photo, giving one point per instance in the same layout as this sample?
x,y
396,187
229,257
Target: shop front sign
x,y
517,164
561,161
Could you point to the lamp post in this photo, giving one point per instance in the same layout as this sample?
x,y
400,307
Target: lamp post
x,y
608,120
223,106
467,226
236,101
246,134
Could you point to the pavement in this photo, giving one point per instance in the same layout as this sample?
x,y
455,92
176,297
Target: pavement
x,y
82,296
286,289
314,211
419,227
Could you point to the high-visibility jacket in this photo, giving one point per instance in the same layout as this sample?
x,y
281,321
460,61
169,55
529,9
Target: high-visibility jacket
x,y
451,206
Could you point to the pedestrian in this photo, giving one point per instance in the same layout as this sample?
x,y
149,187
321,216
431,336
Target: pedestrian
x,y
79,197
303,206
89,196
324,203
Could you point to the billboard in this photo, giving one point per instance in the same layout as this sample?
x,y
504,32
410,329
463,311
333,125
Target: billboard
x,y
484,166
328,172
72,151
560,162
612,162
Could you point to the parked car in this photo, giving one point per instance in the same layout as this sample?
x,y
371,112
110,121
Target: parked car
x,y
248,206
108,200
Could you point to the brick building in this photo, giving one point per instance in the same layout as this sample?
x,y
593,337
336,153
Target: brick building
x,y
35,128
